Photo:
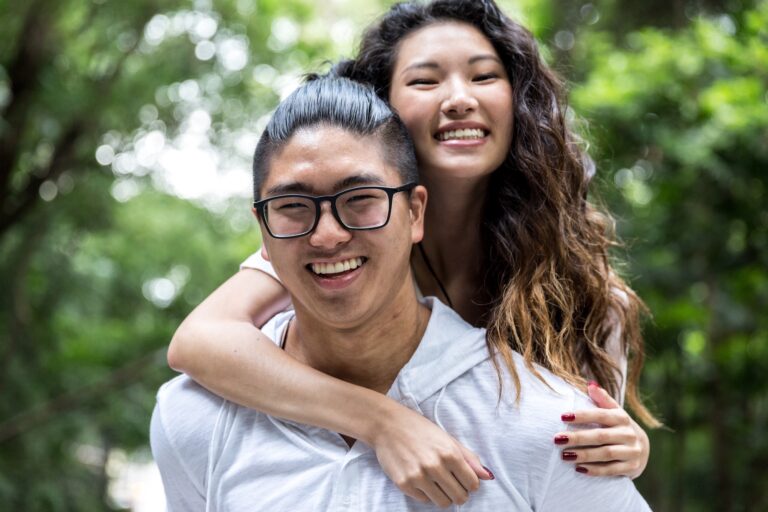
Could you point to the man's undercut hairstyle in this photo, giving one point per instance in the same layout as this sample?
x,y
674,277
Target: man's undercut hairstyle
x,y
337,102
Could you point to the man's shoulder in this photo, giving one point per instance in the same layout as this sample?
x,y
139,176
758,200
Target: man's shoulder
x,y
183,388
518,434
187,413
534,388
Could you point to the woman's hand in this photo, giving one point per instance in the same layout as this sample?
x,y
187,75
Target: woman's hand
x,y
619,448
424,461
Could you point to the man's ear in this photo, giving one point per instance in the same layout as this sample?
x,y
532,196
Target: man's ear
x,y
418,206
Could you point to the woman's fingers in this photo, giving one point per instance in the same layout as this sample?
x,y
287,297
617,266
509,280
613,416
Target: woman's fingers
x,y
416,494
478,470
464,476
596,437
606,469
450,486
436,494
444,480
601,397
609,453
604,417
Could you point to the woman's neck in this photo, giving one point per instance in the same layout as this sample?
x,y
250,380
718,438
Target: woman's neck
x,y
453,247
453,219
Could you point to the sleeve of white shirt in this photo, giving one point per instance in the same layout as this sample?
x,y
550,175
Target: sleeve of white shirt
x,y
180,433
257,262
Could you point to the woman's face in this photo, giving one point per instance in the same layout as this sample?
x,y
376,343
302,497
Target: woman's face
x,y
453,94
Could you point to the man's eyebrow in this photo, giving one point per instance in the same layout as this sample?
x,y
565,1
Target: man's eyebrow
x,y
293,187
297,187
358,180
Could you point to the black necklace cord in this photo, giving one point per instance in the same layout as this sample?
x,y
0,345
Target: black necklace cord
x,y
434,274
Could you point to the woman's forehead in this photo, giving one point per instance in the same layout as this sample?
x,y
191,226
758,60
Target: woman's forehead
x,y
443,41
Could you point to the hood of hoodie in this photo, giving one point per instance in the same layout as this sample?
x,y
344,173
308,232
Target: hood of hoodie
x,y
449,348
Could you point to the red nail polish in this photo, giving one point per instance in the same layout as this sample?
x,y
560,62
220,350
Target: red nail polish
x,y
569,455
568,417
489,472
582,469
561,439
593,383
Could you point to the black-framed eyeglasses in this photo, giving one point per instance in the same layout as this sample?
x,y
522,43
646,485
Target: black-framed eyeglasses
x,y
358,208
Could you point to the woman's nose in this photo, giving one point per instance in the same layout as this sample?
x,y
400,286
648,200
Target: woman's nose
x,y
459,99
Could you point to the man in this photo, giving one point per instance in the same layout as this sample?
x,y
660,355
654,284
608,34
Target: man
x,y
337,200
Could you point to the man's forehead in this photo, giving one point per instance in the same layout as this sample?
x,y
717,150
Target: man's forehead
x,y
326,159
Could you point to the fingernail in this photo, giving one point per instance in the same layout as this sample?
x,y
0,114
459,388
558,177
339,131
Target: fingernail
x,y
582,469
568,417
489,472
561,439
593,383
569,455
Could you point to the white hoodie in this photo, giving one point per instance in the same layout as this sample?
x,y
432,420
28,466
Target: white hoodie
x,y
217,456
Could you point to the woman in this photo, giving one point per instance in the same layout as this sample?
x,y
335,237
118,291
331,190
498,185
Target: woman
x,y
487,119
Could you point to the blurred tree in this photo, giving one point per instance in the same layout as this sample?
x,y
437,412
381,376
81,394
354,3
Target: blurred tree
x,y
108,110
681,125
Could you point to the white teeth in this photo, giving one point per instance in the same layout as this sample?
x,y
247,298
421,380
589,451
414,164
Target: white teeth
x,y
336,268
466,133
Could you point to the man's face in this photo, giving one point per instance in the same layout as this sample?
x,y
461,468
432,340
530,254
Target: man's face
x,y
323,160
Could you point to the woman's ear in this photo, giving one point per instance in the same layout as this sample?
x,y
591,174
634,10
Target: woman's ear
x,y
418,206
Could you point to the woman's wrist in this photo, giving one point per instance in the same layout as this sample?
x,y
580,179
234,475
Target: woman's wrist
x,y
375,417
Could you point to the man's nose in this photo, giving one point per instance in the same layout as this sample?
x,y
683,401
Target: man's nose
x,y
328,233
459,99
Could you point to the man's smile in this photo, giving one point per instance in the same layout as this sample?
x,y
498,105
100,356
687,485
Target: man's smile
x,y
339,267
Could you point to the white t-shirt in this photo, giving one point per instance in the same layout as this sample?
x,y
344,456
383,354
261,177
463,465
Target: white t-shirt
x,y
214,455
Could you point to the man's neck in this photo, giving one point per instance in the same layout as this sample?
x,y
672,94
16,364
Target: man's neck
x,y
370,354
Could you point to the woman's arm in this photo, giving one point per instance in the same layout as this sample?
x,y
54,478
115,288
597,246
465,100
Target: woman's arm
x,y
219,346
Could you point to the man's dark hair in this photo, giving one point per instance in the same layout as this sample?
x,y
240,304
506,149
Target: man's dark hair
x,y
339,102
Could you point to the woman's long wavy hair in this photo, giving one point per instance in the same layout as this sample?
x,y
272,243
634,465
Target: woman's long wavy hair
x,y
556,299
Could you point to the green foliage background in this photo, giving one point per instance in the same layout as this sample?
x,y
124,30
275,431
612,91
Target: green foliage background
x,y
99,262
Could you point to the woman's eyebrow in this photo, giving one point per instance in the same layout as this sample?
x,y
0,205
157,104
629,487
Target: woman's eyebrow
x,y
428,64
485,56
